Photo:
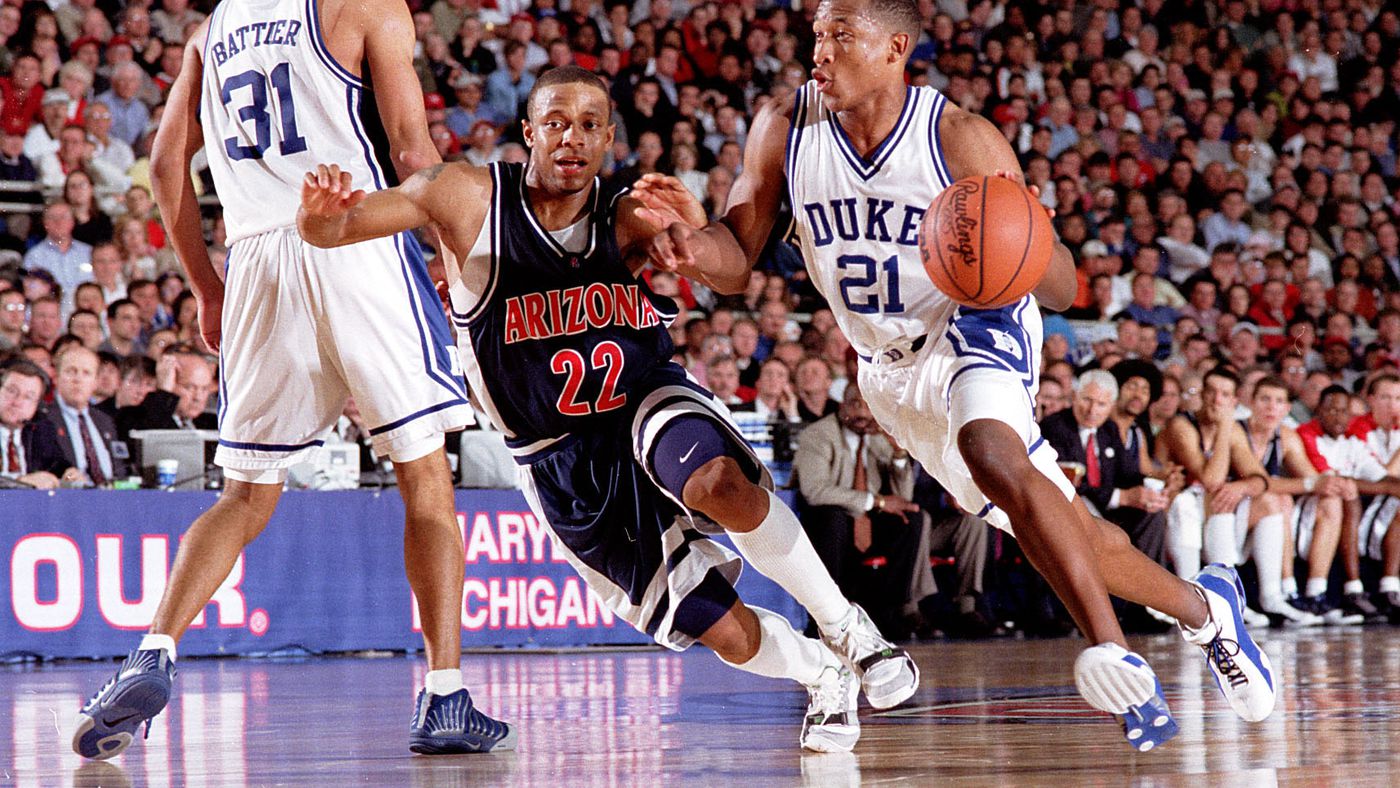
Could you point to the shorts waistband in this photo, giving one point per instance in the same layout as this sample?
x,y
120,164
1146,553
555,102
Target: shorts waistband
x,y
896,353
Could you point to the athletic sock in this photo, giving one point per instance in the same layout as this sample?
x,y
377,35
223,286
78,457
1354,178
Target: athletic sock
x,y
1268,559
1317,586
1220,545
781,551
443,682
1184,550
1290,587
153,641
1389,583
1354,587
783,653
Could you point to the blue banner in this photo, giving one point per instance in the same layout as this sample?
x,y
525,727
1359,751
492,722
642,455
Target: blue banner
x,y
86,570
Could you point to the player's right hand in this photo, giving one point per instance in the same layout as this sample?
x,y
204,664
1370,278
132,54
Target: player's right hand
x,y
328,192
211,319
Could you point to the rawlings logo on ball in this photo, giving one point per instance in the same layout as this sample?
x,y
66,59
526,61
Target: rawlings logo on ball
x,y
962,226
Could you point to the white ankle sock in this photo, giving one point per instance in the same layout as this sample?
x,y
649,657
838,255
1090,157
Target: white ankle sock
x,y
1290,587
153,641
1268,559
781,551
1353,587
1317,586
1220,544
1389,583
783,653
443,682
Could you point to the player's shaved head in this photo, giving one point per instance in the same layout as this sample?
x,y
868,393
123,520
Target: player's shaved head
x,y
563,75
899,16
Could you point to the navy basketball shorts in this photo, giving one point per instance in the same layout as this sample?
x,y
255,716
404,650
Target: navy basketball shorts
x,y
631,539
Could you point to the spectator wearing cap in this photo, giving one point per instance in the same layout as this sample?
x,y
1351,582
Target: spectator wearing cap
x,y
68,260
22,93
129,115
469,91
1242,352
42,138
508,86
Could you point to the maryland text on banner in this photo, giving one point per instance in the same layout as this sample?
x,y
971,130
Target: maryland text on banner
x,y
85,571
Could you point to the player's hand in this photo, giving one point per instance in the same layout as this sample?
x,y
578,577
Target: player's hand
x,y
667,201
897,506
1030,187
211,319
1227,497
329,193
669,249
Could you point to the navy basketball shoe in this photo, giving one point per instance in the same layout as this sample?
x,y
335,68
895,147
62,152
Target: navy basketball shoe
x,y
451,724
107,724
1117,681
1242,671
887,674
831,724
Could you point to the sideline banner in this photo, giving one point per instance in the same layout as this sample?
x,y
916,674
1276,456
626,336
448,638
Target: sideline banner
x,y
85,570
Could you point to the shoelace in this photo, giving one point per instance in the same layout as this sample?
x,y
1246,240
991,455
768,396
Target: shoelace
x,y
830,696
1221,652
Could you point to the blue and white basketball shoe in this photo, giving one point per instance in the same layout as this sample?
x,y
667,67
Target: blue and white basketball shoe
x,y
451,724
1117,681
1242,671
136,694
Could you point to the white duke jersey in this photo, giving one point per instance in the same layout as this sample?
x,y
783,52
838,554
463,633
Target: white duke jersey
x,y
856,220
274,105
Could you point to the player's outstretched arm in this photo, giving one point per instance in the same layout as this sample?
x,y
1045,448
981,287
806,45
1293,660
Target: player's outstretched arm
x,y
722,254
177,140
334,213
975,147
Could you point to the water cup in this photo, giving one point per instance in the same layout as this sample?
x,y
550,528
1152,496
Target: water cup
x,y
166,472
1155,485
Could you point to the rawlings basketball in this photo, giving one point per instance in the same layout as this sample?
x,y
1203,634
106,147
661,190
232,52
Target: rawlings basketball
x,y
986,241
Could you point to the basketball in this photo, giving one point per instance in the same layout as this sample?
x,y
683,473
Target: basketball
x,y
986,241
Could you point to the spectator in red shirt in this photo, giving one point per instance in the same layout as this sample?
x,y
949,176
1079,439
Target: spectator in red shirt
x,y
22,94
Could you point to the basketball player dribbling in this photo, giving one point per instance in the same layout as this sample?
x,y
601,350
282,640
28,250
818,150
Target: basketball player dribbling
x,y
623,455
862,156
268,88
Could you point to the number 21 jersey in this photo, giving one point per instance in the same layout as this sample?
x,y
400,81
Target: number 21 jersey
x,y
856,219
274,104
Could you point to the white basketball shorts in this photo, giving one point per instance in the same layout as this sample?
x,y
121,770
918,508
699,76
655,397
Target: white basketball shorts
x,y
305,328
983,364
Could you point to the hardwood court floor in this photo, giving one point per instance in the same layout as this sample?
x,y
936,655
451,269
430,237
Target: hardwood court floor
x,y
989,713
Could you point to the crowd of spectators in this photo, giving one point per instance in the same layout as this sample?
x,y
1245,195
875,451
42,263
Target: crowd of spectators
x,y
1223,170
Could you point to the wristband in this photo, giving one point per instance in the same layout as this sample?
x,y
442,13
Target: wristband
x,y
1309,484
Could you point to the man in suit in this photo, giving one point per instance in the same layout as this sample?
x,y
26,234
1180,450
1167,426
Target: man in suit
x,y
75,435
184,383
856,488
22,387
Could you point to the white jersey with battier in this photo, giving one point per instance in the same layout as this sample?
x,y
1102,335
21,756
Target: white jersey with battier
x,y
856,219
274,104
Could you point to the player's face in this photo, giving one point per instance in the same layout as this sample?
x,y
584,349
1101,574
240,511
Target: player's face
x,y
854,52
1335,413
568,133
1270,405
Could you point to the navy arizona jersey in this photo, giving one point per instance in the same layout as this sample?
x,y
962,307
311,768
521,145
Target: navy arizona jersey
x,y
552,339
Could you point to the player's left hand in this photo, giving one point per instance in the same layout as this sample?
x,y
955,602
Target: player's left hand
x,y
667,201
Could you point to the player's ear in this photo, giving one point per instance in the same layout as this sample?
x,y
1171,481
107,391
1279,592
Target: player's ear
x,y
899,47
612,134
528,132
